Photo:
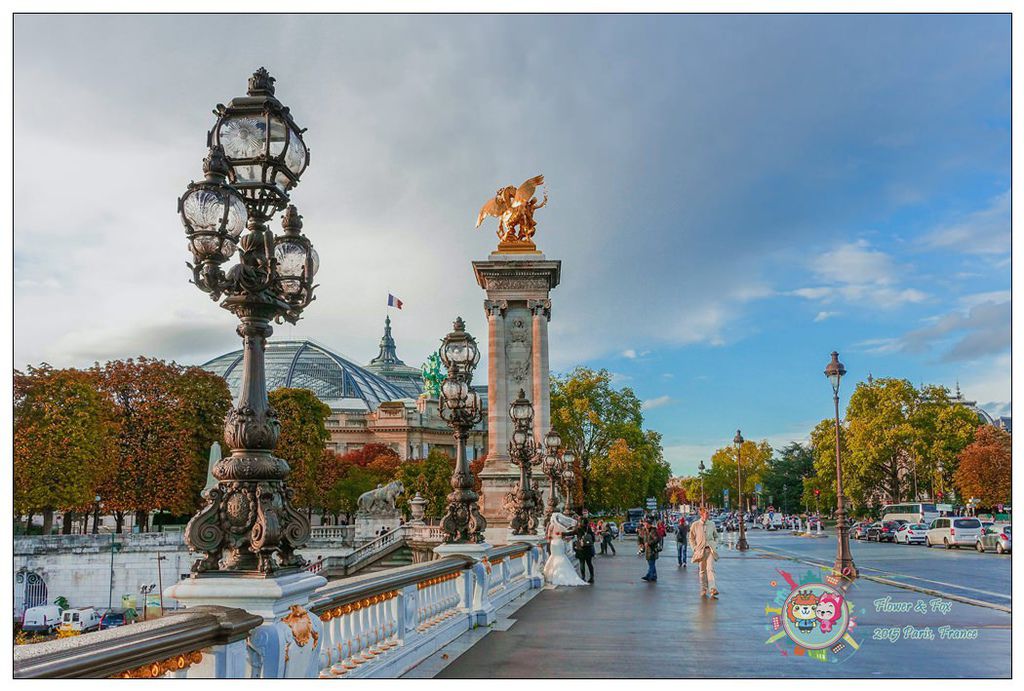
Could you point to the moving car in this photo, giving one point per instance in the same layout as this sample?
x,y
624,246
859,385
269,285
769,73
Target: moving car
x,y
911,533
882,531
41,619
953,531
629,527
996,536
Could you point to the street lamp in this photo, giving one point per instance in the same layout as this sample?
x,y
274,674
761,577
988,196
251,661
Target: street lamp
x,y
248,525
844,559
552,467
461,407
700,469
97,502
522,451
738,441
568,478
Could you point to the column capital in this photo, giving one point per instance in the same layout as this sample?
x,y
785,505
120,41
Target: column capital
x,y
539,307
495,307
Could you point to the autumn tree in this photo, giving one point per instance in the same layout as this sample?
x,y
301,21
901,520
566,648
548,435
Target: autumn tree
x,y
722,475
168,416
431,477
64,440
303,419
984,471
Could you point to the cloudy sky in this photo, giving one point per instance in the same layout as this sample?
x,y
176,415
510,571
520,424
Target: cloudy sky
x,y
732,198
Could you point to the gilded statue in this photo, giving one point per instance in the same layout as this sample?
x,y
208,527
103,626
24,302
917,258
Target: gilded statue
x,y
514,209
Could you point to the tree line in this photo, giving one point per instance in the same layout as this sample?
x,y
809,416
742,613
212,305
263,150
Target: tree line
x,y
898,443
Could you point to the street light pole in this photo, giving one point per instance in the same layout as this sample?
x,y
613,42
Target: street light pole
x,y
738,441
844,559
701,473
96,517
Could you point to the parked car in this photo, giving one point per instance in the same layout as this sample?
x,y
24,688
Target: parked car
x,y
629,528
41,619
911,533
114,618
81,620
858,531
953,531
882,531
996,536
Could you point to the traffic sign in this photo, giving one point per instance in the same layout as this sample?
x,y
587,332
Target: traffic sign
x,y
757,488
725,492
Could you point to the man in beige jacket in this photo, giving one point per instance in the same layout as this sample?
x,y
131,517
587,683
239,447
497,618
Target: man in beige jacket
x,y
703,541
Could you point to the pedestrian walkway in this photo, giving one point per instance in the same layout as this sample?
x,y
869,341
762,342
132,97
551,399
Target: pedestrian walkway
x,y
625,627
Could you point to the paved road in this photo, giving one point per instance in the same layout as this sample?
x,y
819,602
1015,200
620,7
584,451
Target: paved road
x,y
625,627
960,572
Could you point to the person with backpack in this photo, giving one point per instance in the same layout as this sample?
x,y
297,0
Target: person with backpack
x,y
682,538
652,545
583,545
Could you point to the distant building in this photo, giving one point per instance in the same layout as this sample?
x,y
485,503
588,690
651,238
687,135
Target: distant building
x,y
376,404
983,417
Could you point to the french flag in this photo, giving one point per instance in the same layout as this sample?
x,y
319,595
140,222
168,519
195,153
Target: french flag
x,y
394,302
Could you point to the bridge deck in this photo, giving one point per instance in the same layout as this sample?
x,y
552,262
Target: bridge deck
x,y
625,627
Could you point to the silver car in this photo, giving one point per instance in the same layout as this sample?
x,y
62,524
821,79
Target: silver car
x,y
996,536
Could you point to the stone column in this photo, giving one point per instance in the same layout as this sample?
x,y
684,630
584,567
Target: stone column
x,y
541,396
517,286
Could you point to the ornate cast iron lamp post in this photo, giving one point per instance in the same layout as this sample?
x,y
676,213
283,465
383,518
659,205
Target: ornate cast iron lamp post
x,y
552,467
248,525
844,559
461,408
568,478
701,473
741,544
522,450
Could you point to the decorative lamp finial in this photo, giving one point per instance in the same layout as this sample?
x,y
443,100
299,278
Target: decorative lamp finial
x,y
215,165
291,220
261,83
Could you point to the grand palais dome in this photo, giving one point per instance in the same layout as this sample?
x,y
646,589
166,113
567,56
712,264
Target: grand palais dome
x,y
337,381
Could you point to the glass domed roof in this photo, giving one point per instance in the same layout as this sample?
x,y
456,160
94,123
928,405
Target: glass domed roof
x,y
337,381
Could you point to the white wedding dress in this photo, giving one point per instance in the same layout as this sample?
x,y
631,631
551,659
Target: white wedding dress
x,y
558,570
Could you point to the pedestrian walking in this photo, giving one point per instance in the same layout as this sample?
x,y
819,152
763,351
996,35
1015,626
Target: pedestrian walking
x,y
599,534
682,538
662,532
584,548
652,545
606,540
703,541
641,532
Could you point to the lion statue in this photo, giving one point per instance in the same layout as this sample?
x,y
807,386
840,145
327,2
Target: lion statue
x,y
380,500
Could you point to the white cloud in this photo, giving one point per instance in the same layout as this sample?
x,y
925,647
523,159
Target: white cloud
x,y
822,316
658,402
858,274
629,353
986,231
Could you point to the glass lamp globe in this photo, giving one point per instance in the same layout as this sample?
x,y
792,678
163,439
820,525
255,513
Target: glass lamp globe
x,y
569,458
521,410
568,475
552,439
519,438
213,213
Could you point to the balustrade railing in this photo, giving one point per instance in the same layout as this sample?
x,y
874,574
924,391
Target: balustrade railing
x,y
344,534
175,645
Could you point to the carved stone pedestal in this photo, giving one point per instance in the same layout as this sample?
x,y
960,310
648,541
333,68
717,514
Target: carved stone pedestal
x,y
518,307
287,644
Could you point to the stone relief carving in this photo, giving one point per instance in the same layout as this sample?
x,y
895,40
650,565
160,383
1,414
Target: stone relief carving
x,y
517,348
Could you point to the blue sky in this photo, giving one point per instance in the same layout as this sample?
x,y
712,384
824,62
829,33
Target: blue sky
x,y
732,197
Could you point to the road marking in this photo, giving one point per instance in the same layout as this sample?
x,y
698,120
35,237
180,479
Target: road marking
x,y
902,584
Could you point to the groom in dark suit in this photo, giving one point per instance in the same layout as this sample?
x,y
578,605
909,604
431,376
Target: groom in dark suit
x,y
583,545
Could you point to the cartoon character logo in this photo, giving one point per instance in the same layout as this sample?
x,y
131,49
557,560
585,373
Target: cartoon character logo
x,y
812,617
801,610
828,610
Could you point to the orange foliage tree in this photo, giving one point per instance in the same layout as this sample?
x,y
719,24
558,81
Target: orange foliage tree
x,y
303,419
64,440
168,418
985,467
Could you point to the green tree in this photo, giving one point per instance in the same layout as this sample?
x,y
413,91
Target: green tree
x,y
881,440
942,429
431,477
783,480
722,475
303,419
64,440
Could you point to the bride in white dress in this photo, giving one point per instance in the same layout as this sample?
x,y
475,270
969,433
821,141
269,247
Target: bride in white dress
x,y
558,570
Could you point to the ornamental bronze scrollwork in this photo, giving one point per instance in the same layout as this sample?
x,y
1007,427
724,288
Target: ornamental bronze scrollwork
x,y
256,156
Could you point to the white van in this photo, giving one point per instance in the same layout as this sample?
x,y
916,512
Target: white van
x,y
953,531
81,620
41,619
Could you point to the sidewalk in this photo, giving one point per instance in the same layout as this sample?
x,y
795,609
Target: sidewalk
x,y
625,627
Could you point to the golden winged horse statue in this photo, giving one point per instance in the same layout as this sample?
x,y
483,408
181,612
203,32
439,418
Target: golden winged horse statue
x,y
514,208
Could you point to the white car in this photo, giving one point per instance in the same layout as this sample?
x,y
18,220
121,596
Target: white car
x,y
80,620
953,531
41,619
912,534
